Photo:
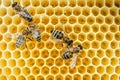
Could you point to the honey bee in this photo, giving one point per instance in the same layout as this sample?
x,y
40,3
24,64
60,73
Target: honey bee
x,y
59,35
22,12
74,54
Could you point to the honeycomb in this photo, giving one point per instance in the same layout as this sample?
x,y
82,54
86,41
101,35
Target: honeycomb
x,y
93,23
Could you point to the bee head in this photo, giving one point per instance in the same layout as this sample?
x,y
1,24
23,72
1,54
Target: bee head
x,y
14,4
70,42
81,48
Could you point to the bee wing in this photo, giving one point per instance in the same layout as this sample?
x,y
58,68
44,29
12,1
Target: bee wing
x,y
8,35
73,62
36,34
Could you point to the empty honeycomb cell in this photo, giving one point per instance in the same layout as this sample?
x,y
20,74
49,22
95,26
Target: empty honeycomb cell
x,y
63,70
100,69
100,19
95,11
35,3
30,62
41,28
45,3
95,28
109,19
72,3
73,36
113,28
21,77
40,62
113,11
49,28
82,36
44,53
90,69
59,61
35,54
109,69
21,62
31,11
114,44
90,20
45,70
104,44
117,69
3,62
11,77
117,3
7,54
104,28
54,53
49,77
72,71
31,77
104,11
82,19
86,11
3,28
91,36
49,11
3,11
3,77
76,11
12,46
35,70
26,54
16,54
58,11
109,3
40,77
99,36
59,77
86,77
91,53
83,54
99,3
105,77
58,45
54,3
25,3
49,62
63,3
114,77
68,11
105,61
54,20
95,44
7,20
40,10
72,19
109,36
63,19
31,45
12,62
68,77
54,70
68,28
117,53
109,52
81,3
86,61
117,36
77,28
67,62
7,3
36,19
114,61
95,61
96,77
90,3
17,71
1,37
77,77
7,71
100,53
117,20
45,20
86,44
3,45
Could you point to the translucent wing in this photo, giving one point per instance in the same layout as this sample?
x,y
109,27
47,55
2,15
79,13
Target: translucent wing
x,y
8,35
73,62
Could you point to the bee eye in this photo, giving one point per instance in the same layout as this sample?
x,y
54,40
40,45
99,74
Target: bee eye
x,y
14,4
51,31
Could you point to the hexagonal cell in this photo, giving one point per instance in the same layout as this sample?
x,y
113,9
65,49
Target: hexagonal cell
x,y
91,53
17,20
86,28
59,77
95,11
113,11
95,44
54,70
100,69
31,77
63,19
76,11
59,61
12,77
1,37
25,54
77,28
72,3
104,11
54,20
12,62
36,19
40,10
3,11
73,70
116,3
86,11
105,77
35,70
44,3
99,36
54,3
117,52
63,3
109,3
45,20
105,61
91,36
49,62
58,11
104,28
72,19
117,20
96,61
54,53
77,77
67,28
96,77
3,28
58,45
104,44
35,3
30,62
7,54
16,54
86,77
26,71
49,11
31,11
73,36
21,77
16,71
3,45
117,69
114,44
21,62
109,69
40,62
109,20
12,46
49,77
117,36
68,11
68,77
109,36
3,77
82,19
25,3
7,70
100,53
7,3
45,70
35,53
63,70
90,20
86,61
109,52
99,3
95,28
113,28
1,20
86,44
7,20
90,3
114,77
114,61
81,3
91,69
100,19
40,77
